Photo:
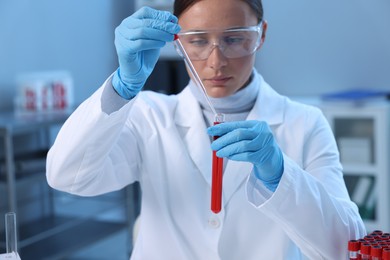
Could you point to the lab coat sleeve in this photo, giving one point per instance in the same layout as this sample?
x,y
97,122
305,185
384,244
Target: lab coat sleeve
x,y
89,156
311,202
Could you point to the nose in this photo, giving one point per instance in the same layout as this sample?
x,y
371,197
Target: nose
x,y
216,59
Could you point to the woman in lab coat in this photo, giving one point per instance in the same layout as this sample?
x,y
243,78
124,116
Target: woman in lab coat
x,y
283,191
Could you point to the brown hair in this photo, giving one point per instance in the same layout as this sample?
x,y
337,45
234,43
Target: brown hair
x,y
181,5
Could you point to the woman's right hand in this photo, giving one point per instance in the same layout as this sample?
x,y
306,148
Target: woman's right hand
x,y
138,40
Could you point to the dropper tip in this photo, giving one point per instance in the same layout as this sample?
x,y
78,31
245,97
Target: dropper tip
x,y
219,117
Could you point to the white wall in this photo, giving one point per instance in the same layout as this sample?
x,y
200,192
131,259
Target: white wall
x,y
314,47
69,35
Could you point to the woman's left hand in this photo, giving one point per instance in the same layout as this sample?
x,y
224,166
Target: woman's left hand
x,y
250,141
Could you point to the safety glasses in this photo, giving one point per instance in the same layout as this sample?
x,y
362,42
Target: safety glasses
x,y
233,43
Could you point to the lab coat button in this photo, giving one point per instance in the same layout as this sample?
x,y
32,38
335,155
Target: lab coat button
x,y
214,222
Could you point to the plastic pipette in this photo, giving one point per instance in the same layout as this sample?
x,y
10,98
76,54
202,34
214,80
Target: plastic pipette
x,y
217,166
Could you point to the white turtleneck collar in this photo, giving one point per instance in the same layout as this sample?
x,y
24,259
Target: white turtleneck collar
x,y
235,107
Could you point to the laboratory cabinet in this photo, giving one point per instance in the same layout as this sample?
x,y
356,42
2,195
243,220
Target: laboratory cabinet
x,y
362,133
51,224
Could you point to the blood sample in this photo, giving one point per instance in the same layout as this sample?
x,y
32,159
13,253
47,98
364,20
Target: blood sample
x,y
217,174
373,246
376,253
369,238
386,254
377,232
384,237
353,249
365,251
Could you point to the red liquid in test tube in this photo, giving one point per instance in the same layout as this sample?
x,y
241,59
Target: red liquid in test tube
x,y
217,174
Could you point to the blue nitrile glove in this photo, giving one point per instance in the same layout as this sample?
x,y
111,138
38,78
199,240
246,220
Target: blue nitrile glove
x,y
138,40
250,141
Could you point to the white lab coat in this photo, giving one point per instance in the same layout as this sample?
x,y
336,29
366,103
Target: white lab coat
x,y
161,142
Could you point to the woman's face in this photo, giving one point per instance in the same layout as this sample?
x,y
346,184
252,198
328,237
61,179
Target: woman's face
x,y
221,76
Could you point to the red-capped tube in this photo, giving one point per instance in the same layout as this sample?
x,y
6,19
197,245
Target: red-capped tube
x,y
369,238
353,249
377,232
384,237
376,253
365,249
386,254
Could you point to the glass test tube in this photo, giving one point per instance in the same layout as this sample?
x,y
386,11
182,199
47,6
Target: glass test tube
x,y
217,174
10,233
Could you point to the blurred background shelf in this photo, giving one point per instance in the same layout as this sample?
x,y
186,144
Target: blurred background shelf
x,y
362,134
59,237
54,224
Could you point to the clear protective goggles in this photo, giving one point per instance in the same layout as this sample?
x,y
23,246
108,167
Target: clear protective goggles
x,y
233,43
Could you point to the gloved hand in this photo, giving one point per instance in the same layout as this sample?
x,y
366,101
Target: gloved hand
x,y
138,40
250,141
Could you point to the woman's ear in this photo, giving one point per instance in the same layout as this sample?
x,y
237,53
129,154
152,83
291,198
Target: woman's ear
x,y
264,26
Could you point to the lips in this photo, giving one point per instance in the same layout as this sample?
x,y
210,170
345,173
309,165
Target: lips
x,y
219,80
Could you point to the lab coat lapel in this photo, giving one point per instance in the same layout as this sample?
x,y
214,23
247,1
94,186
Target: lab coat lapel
x,y
190,122
234,175
269,107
